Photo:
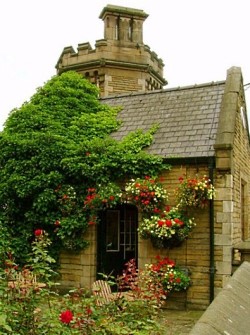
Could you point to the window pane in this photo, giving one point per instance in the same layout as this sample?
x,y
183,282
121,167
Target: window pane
x,y
112,231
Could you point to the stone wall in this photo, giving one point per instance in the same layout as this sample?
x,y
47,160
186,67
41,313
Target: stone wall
x,y
232,177
79,269
194,253
229,313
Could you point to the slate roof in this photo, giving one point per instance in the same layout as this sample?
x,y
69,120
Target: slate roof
x,y
187,118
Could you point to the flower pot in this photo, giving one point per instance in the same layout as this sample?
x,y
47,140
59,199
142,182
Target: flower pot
x,y
166,243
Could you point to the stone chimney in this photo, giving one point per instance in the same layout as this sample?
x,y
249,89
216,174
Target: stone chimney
x,y
123,24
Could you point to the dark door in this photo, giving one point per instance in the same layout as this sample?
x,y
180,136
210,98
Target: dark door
x,y
117,239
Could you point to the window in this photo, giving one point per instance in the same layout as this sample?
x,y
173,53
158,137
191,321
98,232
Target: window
x,y
130,30
113,231
117,29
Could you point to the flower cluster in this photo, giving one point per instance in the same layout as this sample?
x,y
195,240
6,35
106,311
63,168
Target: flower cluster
x,y
148,194
171,224
165,272
103,196
195,192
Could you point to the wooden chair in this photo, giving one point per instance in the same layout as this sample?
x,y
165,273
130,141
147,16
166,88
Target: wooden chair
x,y
102,290
24,280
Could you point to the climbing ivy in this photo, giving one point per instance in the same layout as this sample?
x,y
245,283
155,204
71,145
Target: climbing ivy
x,y
56,147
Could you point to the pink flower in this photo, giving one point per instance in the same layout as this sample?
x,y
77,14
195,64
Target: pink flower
x,y
66,316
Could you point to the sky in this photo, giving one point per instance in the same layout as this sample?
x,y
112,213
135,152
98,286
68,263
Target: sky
x,y
198,40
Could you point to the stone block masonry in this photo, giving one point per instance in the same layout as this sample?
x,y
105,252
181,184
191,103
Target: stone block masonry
x,y
229,313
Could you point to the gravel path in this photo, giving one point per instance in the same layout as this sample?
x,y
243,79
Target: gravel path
x,y
179,322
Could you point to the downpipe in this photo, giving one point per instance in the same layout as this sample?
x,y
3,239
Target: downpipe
x,y
212,269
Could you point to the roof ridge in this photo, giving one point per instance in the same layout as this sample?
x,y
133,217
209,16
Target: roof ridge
x,y
177,88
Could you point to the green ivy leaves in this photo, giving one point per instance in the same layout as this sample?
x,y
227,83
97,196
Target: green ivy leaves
x,y
63,136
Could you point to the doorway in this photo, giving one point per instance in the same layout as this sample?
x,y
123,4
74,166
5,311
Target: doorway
x,y
117,239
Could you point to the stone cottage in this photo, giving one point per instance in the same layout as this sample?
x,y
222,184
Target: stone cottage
x,y
203,129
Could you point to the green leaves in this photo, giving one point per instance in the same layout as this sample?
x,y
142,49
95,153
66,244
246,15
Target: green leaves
x,y
62,137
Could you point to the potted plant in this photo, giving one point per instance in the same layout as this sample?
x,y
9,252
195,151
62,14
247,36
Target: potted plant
x,y
147,193
166,229
165,274
195,192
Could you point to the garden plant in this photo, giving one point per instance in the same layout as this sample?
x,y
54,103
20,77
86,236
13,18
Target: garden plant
x,y
30,304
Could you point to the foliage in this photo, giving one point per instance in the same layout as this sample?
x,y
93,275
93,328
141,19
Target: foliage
x,y
195,192
140,285
54,149
164,272
167,227
29,306
22,289
107,195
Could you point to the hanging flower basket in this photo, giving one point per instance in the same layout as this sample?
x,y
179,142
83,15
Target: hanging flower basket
x,y
104,196
166,243
195,192
166,229
147,193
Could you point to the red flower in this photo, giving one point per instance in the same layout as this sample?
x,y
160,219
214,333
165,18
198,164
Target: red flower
x,y
178,221
57,223
66,317
167,208
181,179
88,311
160,223
168,223
38,232
111,198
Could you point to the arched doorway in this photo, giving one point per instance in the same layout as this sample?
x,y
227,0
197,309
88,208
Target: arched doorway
x,y
117,239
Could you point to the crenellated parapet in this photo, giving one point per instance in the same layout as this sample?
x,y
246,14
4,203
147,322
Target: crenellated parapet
x,y
120,62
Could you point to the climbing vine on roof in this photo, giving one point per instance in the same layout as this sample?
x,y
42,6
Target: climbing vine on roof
x,y
55,148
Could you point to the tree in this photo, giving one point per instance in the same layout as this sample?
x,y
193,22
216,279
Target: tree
x,y
54,149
